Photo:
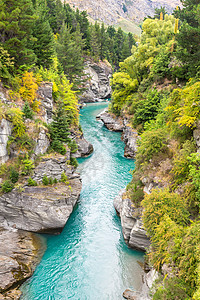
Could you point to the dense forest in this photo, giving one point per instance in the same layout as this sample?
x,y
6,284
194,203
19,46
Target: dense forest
x,y
48,41
158,87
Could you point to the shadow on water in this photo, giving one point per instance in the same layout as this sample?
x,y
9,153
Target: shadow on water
x,y
89,260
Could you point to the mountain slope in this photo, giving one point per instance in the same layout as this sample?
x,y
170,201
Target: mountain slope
x,y
109,11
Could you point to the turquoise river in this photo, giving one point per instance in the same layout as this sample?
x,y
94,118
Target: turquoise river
x,y
89,259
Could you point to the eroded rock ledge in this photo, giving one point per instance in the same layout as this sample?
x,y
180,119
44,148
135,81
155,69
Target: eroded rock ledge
x,y
20,253
129,135
132,228
42,208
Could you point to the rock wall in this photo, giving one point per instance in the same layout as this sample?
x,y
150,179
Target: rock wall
x,y
46,98
5,132
132,228
98,83
20,253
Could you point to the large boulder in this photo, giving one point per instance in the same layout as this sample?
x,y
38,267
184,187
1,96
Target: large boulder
x,y
134,234
85,148
98,84
5,132
20,253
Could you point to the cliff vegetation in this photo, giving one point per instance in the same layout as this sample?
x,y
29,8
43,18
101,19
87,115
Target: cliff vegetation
x,y
158,87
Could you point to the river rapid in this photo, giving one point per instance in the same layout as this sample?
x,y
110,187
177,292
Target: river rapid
x,y
89,260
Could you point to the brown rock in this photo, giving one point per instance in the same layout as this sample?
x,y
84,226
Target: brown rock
x,y
20,253
129,294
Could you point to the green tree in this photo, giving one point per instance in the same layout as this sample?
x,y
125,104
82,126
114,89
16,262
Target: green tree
x,y
44,46
16,23
189,35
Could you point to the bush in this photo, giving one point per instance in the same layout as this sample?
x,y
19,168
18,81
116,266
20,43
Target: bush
x,y
51,180
147,108
58,147
64,178
7,186
152,142
31,182
27,166
45,180
73,146
135,191
161,203
27,111
172,289
73,162
14,175
55,181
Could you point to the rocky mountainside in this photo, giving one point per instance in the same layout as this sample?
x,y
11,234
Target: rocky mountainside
x,y
115,11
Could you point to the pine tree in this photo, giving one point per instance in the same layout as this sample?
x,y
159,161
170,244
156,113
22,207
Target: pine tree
x,y
17,19
27,111
70,49
59,128
44,46
189,36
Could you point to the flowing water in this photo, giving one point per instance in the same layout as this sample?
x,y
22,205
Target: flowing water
x,y
89,260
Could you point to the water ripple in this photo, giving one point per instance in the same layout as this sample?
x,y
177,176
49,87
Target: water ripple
x,y
89,260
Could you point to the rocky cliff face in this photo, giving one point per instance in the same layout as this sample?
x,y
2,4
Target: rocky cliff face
x,y
98,83
132,228
20,253
5,132
110,11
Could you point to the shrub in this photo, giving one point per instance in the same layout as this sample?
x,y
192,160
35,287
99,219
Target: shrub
x,y
27,111
7,186
51,180
27,166
161,203
171,289
73,146
58,147
15,115
64,178
31,182
73,162
147,108
151,143
55,181
45,180
14,175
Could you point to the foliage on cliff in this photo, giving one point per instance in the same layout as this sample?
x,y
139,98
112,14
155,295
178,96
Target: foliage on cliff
x,y
164,108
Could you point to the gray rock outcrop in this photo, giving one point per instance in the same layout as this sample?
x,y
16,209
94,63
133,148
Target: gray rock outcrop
x,y
98,83
46,98
129,135
84,147
42,142
144,294
5,132
111,121
130,138
20,253
132,228
196,135
42,208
